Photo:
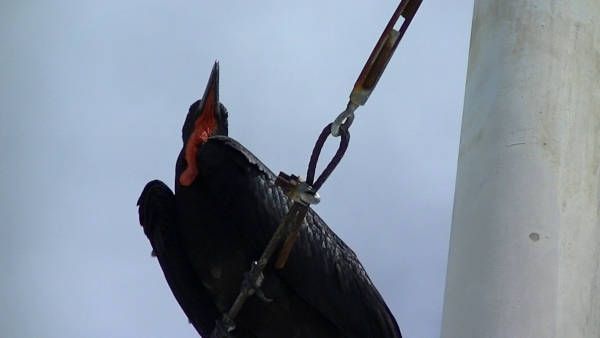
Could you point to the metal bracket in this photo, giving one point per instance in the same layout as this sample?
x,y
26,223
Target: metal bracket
x,y
297,189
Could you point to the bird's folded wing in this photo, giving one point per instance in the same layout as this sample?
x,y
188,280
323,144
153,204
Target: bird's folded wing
x,y
158,217
321,268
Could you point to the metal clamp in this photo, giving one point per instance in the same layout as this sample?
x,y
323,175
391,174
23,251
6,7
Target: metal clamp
x,y
297,189
223,327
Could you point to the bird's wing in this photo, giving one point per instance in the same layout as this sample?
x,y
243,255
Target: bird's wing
x,y
321,268
158,218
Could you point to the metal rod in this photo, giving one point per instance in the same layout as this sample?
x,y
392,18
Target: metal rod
x,y
383,51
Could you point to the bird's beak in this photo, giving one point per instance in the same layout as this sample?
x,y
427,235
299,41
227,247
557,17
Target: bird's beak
x,y
210,100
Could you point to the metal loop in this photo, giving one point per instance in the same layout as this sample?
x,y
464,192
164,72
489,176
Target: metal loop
x,y
344,120
312,165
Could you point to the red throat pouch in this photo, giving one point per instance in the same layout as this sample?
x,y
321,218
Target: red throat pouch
x,y
204,127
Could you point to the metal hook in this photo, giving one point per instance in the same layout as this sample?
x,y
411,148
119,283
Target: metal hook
x,y
345,119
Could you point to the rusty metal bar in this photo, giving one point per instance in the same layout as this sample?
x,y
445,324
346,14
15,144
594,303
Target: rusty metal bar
x,y
382,52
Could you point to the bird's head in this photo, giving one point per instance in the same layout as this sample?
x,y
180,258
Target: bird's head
x,y
205,118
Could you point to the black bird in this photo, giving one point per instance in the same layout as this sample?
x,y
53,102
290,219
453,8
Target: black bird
x,y
225,208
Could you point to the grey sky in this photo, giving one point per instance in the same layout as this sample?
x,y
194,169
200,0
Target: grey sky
x,y
93,97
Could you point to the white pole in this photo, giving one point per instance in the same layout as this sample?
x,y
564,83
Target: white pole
x,y
524,255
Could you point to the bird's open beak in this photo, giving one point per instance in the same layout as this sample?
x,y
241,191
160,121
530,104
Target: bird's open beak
x,y
210,100
205,125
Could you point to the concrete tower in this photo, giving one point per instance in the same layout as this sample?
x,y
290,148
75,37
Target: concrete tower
x,y
524,255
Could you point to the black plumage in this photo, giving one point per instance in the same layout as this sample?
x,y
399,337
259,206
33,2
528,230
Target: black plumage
x,y
207,234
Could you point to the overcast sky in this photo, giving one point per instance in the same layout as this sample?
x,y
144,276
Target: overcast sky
x,y
93,95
